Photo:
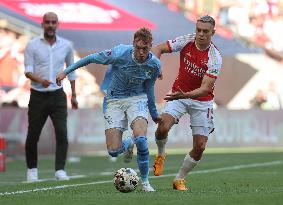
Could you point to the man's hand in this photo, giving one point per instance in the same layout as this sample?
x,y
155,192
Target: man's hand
x,y
60,77
176,95
74,102
45,83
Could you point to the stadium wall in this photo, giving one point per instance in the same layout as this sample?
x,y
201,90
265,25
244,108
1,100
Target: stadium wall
x,y
253,128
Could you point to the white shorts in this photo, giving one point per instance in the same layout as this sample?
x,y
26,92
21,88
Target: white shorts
x,y
201,114
120,112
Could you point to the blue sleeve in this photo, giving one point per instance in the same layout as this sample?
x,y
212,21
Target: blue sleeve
x,y
105,57
149,86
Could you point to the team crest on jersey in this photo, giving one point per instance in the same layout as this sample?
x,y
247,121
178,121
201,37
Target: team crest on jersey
x,y
189,54
109,52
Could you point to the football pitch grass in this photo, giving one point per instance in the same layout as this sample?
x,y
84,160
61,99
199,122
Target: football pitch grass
x,y
220,178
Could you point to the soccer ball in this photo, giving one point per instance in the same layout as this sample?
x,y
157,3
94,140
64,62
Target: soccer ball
x,y
126,180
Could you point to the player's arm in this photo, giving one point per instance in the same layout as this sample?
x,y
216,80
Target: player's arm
x,y
29,67
149,86
174,45
104,57
206,87
159,49
97,58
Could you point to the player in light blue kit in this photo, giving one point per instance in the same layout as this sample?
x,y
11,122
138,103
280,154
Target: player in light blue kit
x,y
129,96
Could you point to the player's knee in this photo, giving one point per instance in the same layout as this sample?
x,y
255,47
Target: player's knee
x,y
199,147
114,152
162,132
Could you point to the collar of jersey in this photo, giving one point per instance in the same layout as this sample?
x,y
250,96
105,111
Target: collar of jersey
x,y
202,49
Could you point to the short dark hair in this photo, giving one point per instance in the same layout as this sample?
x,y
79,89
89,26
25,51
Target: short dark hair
x,y
207,19
143,34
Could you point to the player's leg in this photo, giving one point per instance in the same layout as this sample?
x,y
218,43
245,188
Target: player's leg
x,y
173,111
191,160
139,127
104,105
115,125
161,138
202,126
114,142
137,114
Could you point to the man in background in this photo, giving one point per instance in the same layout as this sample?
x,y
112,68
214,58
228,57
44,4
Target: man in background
x,y
45,56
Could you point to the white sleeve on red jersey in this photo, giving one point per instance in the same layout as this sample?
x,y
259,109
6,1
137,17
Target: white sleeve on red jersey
x,y
180,42
214,62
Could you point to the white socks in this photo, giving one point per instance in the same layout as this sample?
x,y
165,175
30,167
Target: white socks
x,y
161,146
188,164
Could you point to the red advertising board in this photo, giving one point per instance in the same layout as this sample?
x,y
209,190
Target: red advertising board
x,y
81,15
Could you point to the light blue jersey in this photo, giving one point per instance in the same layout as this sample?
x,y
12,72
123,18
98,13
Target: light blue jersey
x,y
105,84
128,77
106,81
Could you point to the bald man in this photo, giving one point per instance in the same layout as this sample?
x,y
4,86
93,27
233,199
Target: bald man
x,y
45,57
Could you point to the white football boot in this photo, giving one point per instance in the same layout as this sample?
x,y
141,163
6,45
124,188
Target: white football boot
x,y
147,187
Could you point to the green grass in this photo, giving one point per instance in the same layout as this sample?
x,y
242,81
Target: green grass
x,y
257,185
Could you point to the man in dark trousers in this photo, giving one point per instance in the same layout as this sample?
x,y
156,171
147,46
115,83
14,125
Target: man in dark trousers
x,y
45,57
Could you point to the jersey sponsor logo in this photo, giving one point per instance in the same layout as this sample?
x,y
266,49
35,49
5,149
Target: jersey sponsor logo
x,y
193,68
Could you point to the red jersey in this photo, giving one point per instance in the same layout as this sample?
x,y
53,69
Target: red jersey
x,y
194,64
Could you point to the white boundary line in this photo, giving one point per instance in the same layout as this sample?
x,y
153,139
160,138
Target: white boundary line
x,y
237,167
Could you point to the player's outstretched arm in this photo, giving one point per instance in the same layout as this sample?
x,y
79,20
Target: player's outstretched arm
x,y
105,57
159,49
206,87
80,63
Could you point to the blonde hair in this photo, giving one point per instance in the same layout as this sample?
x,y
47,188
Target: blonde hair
x,y
143,34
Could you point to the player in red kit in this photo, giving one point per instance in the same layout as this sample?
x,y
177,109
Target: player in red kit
x,y
192,93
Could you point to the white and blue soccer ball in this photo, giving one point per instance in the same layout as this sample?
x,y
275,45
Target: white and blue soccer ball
x,y
126,180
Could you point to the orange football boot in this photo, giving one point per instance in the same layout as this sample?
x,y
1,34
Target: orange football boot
x,y
179,184
158,166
